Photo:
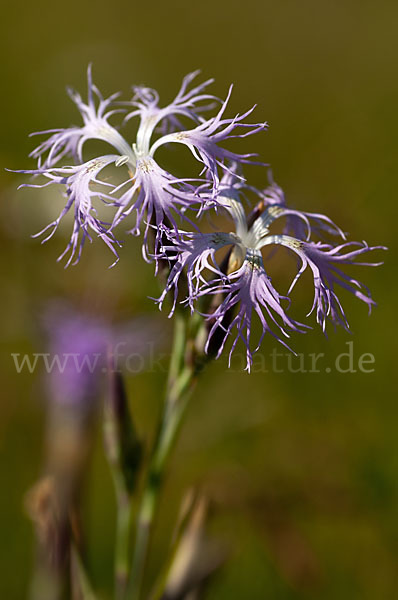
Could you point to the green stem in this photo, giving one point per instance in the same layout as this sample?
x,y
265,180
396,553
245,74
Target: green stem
x,y
123,521
177,352
179,385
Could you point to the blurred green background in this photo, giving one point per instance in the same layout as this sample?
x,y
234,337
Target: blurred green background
x,y
301,468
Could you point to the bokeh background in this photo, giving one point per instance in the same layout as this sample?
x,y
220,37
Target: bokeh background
x,y
300,468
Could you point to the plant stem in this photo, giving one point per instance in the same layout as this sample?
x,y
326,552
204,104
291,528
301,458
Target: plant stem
x,y
123,519
179,385
122,448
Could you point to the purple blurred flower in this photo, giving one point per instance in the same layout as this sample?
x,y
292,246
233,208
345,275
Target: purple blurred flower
x,y
83,347
78,345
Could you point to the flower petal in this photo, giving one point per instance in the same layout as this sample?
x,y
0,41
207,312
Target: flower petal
x,y
249,289
78,180
323,260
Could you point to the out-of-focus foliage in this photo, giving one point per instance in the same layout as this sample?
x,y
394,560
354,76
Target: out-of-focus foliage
x,y
299,467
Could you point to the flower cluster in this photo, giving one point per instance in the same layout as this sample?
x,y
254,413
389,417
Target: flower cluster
x,y
227,293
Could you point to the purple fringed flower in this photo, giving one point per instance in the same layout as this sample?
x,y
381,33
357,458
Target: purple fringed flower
x,y
247,287
156,197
